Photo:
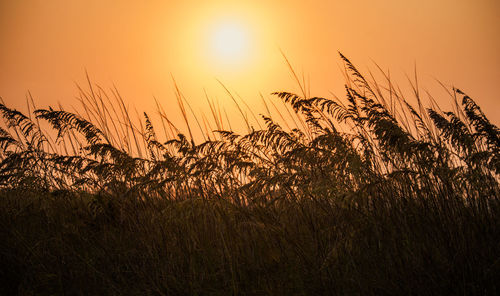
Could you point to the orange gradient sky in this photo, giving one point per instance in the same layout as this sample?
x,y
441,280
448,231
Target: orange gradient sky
x,y
46,45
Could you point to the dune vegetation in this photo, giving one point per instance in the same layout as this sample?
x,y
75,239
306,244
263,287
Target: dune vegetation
x,y
366,195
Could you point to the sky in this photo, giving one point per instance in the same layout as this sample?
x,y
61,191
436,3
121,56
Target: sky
x,y
46,47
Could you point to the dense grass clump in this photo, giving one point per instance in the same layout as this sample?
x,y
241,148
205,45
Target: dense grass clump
x,y
370,195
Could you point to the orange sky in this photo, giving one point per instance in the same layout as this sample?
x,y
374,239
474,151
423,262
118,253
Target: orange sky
x,y
46,45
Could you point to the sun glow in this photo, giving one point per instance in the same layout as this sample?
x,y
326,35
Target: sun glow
x,y
230,45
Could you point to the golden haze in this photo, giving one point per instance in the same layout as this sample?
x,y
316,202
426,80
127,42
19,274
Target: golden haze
x,y
46,45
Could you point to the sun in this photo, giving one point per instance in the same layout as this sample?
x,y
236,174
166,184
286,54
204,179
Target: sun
x,y
230,43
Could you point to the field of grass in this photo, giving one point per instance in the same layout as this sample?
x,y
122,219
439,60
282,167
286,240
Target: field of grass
x,y
367,195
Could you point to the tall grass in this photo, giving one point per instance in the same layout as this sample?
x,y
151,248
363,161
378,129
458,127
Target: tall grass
x,y
366,195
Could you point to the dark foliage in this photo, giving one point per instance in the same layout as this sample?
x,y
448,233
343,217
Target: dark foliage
x,y
364,199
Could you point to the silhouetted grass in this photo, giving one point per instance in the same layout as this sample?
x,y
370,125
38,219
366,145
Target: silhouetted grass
x,y
367,195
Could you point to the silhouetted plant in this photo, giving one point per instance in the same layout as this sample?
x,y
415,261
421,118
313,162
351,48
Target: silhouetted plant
x,y
363,194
